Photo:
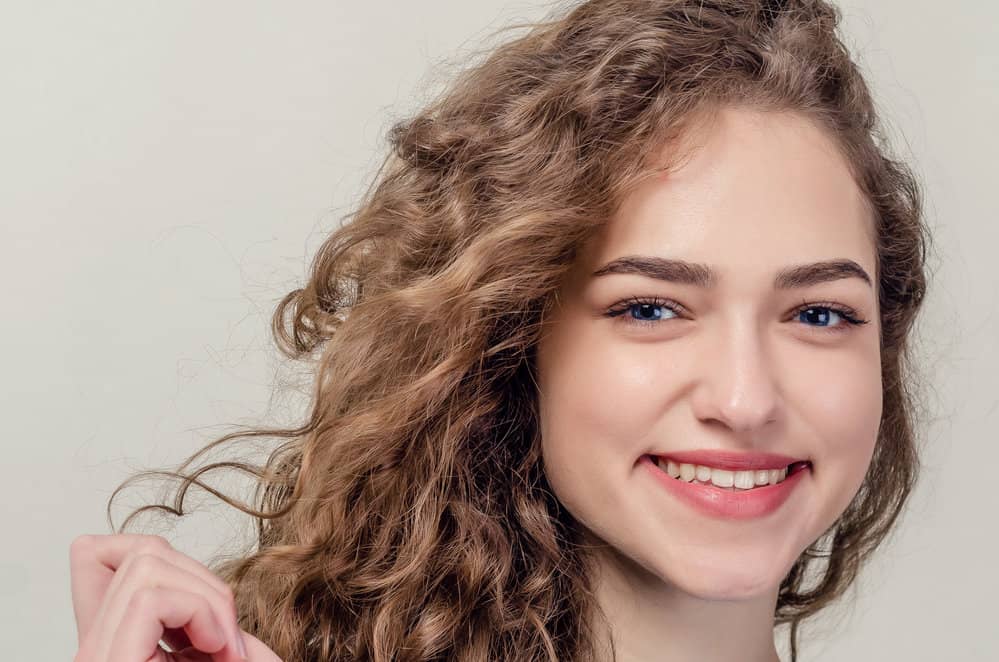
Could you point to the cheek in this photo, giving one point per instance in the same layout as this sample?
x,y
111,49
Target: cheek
x,y
844,411
596,413
850,406
596,395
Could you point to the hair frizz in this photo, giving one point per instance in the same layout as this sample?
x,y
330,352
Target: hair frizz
x,y
409,518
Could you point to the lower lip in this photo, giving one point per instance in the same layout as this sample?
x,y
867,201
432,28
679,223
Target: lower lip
x,y
718,502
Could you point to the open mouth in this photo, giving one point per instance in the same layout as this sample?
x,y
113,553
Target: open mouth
x,y
730,494
733,481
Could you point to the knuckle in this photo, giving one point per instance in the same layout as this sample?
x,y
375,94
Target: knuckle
x,y
151,544
145,598
81,545
145,565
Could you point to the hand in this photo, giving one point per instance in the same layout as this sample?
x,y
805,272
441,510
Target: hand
x,y
131,591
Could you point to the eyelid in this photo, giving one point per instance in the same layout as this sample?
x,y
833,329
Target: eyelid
x,y
851,317
622,306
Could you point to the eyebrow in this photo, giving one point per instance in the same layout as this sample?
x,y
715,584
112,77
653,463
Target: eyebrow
x,y
691,273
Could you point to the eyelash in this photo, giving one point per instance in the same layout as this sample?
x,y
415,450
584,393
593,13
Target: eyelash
x,y
848,314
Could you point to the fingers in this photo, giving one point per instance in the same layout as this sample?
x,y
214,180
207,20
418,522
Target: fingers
x,y
99,556
151,571
258,650
89,580
150,610
108,572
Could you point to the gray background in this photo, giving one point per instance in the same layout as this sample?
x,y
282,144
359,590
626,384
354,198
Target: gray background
x,y
167,169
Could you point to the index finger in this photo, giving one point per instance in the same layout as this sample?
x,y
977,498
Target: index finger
x,y
95,558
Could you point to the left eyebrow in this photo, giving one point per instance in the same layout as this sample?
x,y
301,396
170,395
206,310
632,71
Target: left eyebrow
x,y
690,273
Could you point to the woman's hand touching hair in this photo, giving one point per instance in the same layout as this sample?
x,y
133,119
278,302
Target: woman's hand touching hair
x,y
131,591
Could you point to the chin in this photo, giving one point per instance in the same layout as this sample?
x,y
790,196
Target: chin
x,y
721,586
722,577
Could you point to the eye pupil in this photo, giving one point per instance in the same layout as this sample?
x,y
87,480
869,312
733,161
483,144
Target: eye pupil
x,y
817,315
646,311
820,316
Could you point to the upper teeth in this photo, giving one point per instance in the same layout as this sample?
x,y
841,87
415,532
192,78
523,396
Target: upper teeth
x,y
740,479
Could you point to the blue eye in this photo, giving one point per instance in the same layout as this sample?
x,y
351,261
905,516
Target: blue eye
x,y
820,314
652,311
645,312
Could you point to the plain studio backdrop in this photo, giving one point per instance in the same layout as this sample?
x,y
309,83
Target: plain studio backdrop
x,y
168,169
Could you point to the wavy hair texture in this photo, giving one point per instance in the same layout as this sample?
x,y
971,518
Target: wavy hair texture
x,y
408,518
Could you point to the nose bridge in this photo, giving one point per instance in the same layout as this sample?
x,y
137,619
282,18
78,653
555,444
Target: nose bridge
x,y
739,384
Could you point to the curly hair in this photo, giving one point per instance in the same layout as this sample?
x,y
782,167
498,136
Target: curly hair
x,y
409,518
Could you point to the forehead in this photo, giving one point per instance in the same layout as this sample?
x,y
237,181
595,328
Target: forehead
x,y
756,191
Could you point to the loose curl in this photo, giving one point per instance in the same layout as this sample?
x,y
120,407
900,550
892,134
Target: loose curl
x,y
409,518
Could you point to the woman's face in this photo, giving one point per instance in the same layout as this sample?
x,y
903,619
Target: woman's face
x,y
749,357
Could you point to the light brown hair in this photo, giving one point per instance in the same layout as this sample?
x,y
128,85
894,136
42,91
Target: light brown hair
x,y
408,518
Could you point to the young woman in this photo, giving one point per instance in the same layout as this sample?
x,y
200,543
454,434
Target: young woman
x,y
611,365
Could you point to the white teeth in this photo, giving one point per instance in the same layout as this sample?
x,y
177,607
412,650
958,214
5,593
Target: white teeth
x,y
723,478
743,480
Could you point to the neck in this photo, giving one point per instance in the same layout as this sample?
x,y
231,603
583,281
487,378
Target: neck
x,y
647,618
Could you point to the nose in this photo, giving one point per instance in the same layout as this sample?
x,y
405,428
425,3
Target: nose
x,y
737,383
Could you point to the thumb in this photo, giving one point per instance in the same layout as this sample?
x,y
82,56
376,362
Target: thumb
x,y
258,651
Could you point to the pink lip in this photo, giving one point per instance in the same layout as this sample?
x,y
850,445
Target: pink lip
x,y
730,460
717,502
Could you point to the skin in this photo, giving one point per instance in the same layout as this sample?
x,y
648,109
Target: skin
x,y
739,367
130,591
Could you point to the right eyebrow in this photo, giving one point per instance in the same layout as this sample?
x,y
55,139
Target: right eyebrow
x,y
692,273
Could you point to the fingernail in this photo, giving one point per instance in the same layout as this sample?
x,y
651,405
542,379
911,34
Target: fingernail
x,y
240,644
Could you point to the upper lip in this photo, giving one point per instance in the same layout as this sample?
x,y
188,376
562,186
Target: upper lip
x,y
730,460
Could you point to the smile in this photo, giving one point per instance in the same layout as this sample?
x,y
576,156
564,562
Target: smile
x,y
727,500
732,480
